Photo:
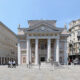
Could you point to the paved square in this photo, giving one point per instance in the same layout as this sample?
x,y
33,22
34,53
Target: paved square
x,y
22,73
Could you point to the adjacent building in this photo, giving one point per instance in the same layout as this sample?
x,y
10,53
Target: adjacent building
x,y
8,44
74,39
41,42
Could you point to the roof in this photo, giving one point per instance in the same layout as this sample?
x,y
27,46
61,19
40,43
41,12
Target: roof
x,y
43,23
33,22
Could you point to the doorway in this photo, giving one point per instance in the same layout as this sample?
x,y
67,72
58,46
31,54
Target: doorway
x,y
42,59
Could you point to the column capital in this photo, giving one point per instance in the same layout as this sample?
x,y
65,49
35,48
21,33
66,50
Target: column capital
x,y
58,39
36,38
49,38
27,39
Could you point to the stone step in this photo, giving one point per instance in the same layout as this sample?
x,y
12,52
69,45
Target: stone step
x,y
43,65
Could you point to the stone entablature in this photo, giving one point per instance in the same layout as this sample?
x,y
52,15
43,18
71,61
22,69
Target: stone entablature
x,y
74,23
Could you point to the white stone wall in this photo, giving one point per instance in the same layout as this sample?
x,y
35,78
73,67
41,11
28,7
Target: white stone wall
x,y
73,31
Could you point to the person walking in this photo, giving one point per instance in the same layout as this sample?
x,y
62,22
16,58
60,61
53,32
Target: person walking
x,y
52,66
14,64
9,64
39,64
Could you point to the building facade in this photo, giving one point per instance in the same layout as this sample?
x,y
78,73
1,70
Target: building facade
x,y
74,38
8,48
41,42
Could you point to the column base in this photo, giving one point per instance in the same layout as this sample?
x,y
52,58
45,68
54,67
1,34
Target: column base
x,y
36,64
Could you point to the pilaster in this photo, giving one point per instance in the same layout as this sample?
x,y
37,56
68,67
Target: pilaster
x,y
65,53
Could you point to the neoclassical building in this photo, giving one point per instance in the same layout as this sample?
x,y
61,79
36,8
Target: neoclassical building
x,y
74,38
8,44
42,41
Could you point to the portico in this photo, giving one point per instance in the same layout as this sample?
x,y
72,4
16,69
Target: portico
x,y
37,53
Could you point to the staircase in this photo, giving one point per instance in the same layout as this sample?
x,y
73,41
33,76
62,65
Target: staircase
x,y
47,65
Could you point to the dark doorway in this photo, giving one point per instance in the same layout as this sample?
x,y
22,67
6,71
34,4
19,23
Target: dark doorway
x,y
42,59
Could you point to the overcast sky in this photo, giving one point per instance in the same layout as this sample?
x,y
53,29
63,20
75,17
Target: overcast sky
x,y
14,12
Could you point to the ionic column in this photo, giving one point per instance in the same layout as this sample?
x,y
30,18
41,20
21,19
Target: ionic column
x,y
30,54
36,52
57,50
49,50
65,53
19,54
28,51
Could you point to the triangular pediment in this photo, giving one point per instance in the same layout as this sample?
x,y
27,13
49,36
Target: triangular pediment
x,y
43,27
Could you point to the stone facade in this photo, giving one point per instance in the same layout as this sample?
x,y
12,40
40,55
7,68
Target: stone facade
x,y
41,42
73,39
8,42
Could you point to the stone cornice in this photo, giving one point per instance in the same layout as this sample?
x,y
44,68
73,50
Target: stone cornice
x,y
74,26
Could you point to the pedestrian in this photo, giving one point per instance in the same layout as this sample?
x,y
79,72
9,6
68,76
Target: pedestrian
x,y
69,61
29,64
39,64
52,66
9,64
14,64
51,60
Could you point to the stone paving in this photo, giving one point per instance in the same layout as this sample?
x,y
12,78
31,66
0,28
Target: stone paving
x,y
23,73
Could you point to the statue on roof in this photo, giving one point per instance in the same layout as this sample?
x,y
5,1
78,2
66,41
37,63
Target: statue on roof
x,y
65,26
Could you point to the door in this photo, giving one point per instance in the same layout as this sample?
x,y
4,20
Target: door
x,y
23,59
42,59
